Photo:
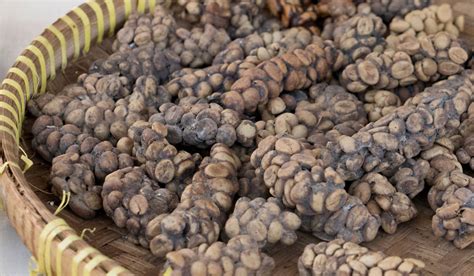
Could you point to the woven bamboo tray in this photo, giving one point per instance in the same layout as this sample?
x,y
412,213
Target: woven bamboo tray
x,y
54,240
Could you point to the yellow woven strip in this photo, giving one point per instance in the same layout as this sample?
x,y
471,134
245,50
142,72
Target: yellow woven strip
x,y
64,202
15,100
141,6
63,45
99,15
128,7
39,55
12,111
10,122
27,161
10,132
8,164
75,33
18,88
86,23
168,271
116,271
33,267
42,241
152,4
93,264
32,68
52,60
60,250
24,78
80,256
111,9
49,240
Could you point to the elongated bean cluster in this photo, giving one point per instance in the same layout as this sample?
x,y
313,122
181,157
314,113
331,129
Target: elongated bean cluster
x,y
388,9
347,258
132,199
291,71
263,220
203,208
428,58
162,161
240,256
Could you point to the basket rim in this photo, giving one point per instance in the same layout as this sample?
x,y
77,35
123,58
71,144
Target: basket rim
x,y
52,242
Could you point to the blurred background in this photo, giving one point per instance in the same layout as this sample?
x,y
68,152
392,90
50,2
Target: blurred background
x,y
20,22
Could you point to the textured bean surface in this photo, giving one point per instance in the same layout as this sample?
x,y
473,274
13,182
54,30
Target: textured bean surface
x,y
264,220
132,199
203,207
346,258
239,256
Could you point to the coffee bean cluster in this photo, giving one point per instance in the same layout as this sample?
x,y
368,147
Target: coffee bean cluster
x,y
359,35
82,169
197,123
132,63
428,21
132,199
158,28
203,206
379,103
292,71
258,47
428,58
388,9
383,200
293,13
249,16
240,256
338,257
325,113
250,184
295,176
454,220
264,220
162,161
207,81
71,174
465,153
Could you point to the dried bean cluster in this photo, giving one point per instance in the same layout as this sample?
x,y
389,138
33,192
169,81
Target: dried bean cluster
x,y
338,257
197,123
82,169
426,59
292,71
295,176
240,256
465,153
383,200
132,199
293,13
428,21
264,220
359,35
158,27
388,9
162,161
379,103
203,208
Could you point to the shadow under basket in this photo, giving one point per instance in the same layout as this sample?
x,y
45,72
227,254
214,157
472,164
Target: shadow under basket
x,y
55,241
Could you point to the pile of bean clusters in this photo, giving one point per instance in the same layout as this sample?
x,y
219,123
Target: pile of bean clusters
x,y
210,143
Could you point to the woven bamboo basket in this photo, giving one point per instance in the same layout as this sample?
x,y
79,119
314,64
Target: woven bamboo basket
x,y
71,44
